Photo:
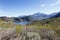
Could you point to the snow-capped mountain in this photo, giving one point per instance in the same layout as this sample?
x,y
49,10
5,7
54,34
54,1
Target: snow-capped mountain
x,y
39,16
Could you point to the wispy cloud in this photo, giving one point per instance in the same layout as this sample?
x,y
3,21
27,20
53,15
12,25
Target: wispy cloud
x,y
56,3
52,4
43,5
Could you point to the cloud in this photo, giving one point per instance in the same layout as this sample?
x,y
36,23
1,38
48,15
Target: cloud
x,y
52,4
56,3
43,5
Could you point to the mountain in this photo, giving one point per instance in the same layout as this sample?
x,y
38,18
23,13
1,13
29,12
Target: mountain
x,y
39,16
23,18
52,22
34,17
6,19
51,15
56,16
30,18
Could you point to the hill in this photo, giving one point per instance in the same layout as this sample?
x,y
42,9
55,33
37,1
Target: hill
x,y
48,29
53,23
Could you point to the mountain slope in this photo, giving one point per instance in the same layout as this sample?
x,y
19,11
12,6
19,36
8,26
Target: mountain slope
x,y
51,22
56,16
39,16
36,16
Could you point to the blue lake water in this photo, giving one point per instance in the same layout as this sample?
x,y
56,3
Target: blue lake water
x,y
21,23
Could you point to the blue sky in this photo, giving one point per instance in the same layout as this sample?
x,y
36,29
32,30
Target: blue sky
x,y
28,7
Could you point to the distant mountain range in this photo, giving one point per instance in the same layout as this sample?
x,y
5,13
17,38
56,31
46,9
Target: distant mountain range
x,y
37,16
34,17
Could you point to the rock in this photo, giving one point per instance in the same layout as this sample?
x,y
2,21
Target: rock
x,y
47,34
6,33
28,34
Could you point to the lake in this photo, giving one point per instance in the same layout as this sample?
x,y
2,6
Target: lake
x,y
22,23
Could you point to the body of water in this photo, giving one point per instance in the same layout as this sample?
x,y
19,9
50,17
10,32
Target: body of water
x,y
21,23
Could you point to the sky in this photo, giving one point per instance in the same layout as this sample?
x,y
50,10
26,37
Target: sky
x,y
13,8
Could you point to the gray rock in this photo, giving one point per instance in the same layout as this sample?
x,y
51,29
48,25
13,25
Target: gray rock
x,y
47,34
6,33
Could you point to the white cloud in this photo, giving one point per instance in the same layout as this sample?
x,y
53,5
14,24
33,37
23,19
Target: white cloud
x,y
43,5
52,4
56,3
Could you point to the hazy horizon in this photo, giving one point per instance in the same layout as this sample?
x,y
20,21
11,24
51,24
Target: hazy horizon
x,y
14,8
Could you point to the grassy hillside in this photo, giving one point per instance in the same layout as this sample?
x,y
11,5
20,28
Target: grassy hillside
x,y
53,23
48,29
10,24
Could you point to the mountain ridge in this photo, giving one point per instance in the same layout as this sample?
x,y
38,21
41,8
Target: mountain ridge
x,y
34,17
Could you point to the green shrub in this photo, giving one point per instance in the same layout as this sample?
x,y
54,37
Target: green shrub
x,y
18,28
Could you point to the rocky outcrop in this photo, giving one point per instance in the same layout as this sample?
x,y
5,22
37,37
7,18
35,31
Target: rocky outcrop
x,y
7,33
29,34
42,34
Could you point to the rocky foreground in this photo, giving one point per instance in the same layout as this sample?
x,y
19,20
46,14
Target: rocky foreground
x,y
28,34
